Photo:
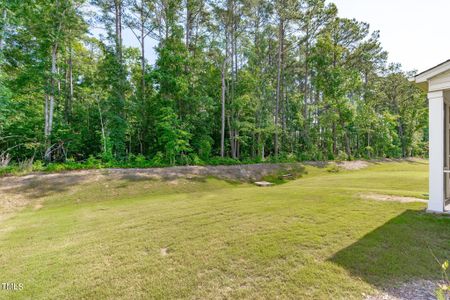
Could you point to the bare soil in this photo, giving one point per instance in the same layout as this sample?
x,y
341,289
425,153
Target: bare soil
x,y
413,290
392,198
353,165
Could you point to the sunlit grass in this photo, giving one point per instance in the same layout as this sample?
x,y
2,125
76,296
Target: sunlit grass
x,y
309,238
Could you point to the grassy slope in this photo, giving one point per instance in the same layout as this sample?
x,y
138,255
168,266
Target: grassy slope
x,y
311,237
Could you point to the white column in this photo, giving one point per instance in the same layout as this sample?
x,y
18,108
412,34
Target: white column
x,y
436,138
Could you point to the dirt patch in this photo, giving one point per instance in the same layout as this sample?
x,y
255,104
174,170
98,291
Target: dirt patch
x,y
38,206
414,290
18,192
391,198
353,165
164,251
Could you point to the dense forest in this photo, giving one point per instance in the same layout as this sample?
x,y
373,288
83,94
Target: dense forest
x,y
242,80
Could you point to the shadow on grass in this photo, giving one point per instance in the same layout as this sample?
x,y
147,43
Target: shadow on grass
x,y
38,187
403,249
235,174
412,161
137,177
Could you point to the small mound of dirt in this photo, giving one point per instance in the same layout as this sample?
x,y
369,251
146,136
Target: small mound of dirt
x,y
391,198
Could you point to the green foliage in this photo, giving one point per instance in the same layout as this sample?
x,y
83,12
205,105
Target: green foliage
x,y
38,166
158,159
204,148
339,98
172,138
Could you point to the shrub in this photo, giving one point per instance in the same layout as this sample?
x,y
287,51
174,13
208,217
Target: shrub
x,y
6,170
341,156
141,162
55,167
38,166
93,162
443,292
107,156
204,149
132,158
215,161
158,159
182,160
195,159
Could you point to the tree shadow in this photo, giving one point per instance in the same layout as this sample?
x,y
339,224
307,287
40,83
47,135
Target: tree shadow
x,y
44,185
409,160
403,249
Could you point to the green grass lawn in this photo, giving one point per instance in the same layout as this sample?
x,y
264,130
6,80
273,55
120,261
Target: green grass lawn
x,y
314,237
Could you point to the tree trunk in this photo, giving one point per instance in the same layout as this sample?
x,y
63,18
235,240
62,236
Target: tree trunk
x,y
2,33
188,24
142,52
347,144
400,126
231,134
102,126
334,138
69,97
118,23
305,92
279,75
222,129
50,104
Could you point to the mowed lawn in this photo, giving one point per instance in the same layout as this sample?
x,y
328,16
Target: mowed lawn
x,y
314,237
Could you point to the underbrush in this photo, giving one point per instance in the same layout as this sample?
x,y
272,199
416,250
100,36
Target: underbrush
x,y
133,161
285,175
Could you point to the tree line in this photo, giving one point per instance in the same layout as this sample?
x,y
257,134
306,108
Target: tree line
x,y
239,79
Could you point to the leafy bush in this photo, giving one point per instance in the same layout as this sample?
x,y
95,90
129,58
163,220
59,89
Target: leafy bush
x,y
195,160
93,162
140,160
341,156
216,161
158,159
204,149
6,170
38,166
55,167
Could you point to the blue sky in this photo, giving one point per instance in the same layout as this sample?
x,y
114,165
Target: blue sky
x,y
416,33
